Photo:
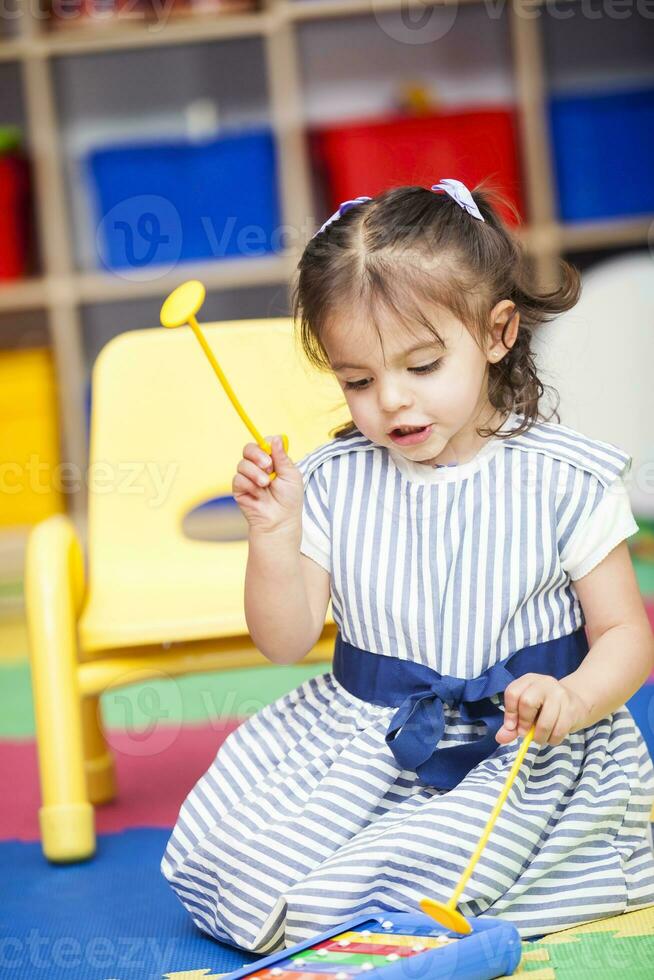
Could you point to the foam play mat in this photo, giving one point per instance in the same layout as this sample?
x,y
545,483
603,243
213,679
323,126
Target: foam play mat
x,y
112,917
621,946
115,917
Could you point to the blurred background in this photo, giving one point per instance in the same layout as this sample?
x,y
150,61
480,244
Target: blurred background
x,y
144,142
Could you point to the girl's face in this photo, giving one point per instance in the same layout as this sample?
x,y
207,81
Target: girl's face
x,y
415,382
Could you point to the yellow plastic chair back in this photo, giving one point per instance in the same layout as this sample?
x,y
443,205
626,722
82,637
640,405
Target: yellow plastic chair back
x,y
164,439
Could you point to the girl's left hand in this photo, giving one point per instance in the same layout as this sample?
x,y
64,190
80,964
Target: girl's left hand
x,y
559,709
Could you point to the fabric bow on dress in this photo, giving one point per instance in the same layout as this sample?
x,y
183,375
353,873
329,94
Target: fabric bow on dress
x,y
420,694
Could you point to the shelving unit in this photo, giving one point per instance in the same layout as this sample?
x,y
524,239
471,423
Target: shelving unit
x,y
63,290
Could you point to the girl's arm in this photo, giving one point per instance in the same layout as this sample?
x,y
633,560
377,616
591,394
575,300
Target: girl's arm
x,y
286,596
286,593
621,655
619,661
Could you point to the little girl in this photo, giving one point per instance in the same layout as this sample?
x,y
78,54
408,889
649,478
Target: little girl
x,y
465,543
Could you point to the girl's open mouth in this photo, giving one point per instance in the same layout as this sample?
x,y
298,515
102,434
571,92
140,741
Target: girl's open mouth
x,y
411,436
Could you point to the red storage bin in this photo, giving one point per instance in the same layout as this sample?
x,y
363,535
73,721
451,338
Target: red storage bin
x,y
14,215
370,156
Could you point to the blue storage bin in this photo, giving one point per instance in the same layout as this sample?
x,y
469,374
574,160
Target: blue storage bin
x,y
160,203
603,153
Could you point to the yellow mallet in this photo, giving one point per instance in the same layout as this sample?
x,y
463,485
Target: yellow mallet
x,y
179,309
446,914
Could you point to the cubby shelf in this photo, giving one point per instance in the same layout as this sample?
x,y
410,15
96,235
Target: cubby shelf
x,y
63,290
98,287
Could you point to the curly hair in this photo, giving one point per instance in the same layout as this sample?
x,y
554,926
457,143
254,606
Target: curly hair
x,y
409,247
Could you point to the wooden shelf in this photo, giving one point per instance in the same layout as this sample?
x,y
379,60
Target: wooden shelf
x,y
22,294
148,33
606,233
138,33
107,287
98,287
62,291
558,236
324,9
12,49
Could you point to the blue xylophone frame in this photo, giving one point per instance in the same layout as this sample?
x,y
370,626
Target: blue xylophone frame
x,y
492,949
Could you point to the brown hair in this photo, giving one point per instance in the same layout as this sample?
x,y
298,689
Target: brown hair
x,y
411,245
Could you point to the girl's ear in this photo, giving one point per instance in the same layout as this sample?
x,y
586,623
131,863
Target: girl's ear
x,y
504,324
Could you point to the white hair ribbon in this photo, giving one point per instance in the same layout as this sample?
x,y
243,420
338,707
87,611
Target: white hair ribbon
x,y
460,193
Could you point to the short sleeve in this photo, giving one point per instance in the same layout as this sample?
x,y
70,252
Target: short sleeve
x,y
604,521
316,539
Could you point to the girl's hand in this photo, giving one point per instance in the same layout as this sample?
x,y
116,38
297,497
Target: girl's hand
x,y
559,710
269,505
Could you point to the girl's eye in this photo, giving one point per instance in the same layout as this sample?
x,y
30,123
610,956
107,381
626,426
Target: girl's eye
x,y
422,369
427,368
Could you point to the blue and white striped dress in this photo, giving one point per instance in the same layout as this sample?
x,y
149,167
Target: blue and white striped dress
x,y
306,819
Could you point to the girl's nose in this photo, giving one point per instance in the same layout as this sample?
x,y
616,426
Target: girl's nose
x,y
393,395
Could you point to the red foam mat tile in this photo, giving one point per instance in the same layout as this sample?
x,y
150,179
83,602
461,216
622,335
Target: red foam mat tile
x,y
154,775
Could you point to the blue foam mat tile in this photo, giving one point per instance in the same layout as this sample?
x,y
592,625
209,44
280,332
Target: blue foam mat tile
x,y
111,918
641,705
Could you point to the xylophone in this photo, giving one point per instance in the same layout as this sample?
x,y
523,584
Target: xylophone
x,y
395,946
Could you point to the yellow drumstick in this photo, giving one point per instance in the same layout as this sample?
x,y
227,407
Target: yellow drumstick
x,y
446,913
180,309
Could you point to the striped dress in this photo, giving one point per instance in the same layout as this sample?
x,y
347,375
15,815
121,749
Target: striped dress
x,y
305,818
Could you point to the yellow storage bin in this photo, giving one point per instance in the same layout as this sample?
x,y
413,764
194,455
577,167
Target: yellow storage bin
x,y
30,471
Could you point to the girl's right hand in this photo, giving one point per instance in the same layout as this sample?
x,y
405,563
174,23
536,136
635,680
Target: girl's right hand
x,y
269,505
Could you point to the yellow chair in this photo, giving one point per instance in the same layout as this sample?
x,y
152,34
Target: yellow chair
x,y
152,601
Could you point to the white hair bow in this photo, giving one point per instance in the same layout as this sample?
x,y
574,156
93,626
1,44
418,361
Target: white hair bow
x,y
460,193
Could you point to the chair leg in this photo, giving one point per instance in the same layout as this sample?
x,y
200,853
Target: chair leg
x,y
54,586
98,760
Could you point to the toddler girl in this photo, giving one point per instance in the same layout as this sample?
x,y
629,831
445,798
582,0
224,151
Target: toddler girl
x,y
465,543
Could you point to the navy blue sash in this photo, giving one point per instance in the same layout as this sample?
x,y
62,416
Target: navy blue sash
x,y
419,693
